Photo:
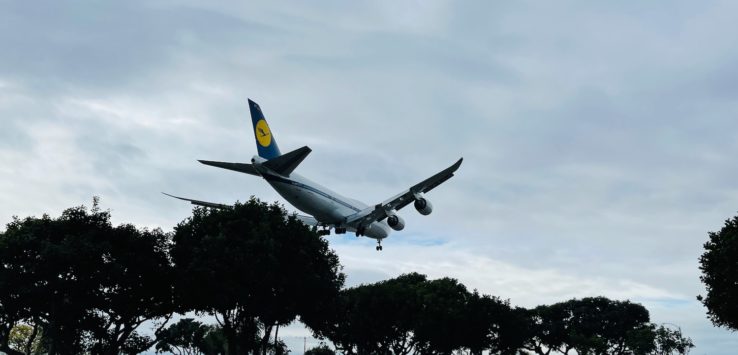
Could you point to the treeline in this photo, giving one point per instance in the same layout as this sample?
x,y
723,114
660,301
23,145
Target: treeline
x,y
77,284
413,315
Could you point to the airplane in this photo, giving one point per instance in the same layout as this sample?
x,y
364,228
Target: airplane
x,y
325,208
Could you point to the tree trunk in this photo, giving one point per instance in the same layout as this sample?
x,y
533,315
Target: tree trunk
x,y
265,339
230,334
29,344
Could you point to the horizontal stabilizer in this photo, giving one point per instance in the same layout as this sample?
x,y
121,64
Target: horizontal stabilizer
x,y
200,203
286,163
240,167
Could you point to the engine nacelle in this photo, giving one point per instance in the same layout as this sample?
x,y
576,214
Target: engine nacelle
x,y
423,206
396,222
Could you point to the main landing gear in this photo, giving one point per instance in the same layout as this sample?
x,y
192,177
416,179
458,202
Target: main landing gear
x,y
327,231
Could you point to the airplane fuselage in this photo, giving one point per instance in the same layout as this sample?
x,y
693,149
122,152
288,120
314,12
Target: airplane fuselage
x,y
326,206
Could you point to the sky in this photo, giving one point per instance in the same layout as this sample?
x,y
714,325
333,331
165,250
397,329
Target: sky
x,y
598,138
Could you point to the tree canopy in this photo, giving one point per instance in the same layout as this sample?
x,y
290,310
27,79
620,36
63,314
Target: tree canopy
x,y
719,266
411,314
595,325
89,284
78,284
253,267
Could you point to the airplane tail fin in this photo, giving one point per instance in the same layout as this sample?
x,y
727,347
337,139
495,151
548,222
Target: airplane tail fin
x,y
265,142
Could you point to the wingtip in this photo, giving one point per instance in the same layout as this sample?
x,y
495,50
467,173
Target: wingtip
x,y
177,197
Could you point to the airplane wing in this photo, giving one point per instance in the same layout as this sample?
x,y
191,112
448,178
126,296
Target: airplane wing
x,y
200,203
380,211
307,220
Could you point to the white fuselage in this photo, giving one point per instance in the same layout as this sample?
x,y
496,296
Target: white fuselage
x,y
325,205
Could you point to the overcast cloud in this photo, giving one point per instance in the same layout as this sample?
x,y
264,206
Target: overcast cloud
x,y
599,138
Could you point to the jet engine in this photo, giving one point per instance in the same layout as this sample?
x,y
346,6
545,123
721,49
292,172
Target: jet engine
x,y
423,206
396,222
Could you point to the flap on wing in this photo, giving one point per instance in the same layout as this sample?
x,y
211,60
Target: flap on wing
x,y
307,220
200,203
286,163
367,216
240,167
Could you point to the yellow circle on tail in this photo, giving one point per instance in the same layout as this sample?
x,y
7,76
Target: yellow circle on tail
x,y
263,135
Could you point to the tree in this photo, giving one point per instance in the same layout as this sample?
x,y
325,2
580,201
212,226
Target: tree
x,y
670,341
441,326
214,342
253,267
489,323
411,314
184,337
719,266
376,318
88,284
137,287
594,325
51,264
321,349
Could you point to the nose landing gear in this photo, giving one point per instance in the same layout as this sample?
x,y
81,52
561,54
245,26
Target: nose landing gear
x,y
379,246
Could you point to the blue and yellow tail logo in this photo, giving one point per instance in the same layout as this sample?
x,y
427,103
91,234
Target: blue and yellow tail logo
x,y
263,135
265,143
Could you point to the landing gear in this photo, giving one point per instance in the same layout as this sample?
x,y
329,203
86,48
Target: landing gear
x,y
361,230
379,246
340,230
324,232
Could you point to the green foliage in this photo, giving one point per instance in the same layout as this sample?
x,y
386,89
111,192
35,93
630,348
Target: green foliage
x,y
184,337
253,267
410,314
719,266
88,283
86,287
214,342
321,349
599,326
670,341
